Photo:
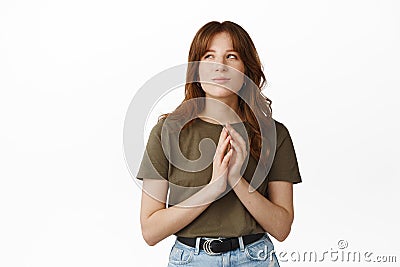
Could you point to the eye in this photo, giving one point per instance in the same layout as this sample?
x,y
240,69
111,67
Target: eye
x,y
231,56
207,56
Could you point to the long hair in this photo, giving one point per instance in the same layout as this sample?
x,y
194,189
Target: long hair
x,y
258,103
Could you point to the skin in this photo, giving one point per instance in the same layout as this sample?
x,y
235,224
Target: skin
x,y
275,214
221,60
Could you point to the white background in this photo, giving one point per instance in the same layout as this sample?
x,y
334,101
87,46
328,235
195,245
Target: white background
x,y
69,69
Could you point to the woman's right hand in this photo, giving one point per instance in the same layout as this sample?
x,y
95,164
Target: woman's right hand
x,y
219,177
174,218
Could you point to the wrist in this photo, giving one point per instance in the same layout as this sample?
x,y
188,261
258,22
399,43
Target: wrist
x,y
216,187
234,179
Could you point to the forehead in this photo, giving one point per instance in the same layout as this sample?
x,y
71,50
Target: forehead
x,y
221,40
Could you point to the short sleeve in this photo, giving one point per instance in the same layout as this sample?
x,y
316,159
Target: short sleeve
x,y
285,166
154,164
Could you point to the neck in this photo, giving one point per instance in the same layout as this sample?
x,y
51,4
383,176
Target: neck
x,y
221,110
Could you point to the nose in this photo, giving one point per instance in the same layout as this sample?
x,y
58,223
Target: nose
x,y
220,64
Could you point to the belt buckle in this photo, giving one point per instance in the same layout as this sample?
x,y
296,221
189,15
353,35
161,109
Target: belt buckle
x,y
207,246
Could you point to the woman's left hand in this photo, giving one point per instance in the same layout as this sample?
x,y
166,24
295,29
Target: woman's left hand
x,y
238,145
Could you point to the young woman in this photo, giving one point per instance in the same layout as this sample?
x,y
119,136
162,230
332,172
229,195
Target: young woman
x,y
221,222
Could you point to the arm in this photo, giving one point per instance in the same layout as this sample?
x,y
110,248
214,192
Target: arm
x,y
275,215
158,221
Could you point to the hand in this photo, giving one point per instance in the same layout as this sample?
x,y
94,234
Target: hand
x,y
221,161
238,145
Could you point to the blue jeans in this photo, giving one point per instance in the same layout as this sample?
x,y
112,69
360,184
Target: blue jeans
x,y
258,253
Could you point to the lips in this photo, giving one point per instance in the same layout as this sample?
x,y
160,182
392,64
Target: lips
x,y
220,80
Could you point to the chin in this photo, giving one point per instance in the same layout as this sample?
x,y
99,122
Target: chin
x,y
218,92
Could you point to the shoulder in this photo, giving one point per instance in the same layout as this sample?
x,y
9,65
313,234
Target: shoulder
x,y
282,132
157,128
281,129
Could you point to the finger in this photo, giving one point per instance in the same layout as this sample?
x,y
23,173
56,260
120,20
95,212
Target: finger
x,y
226,159
235,135
223,135
236,146
220,152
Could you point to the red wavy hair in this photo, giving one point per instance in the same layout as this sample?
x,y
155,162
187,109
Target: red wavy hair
x,y
257,102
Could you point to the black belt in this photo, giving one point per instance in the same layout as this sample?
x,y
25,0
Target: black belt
x,y
220,245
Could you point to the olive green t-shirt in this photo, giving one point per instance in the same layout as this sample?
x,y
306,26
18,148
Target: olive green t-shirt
x,y
226,216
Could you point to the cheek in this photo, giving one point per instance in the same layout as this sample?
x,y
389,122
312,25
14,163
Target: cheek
x,y
204,73
240,68
238,76
237,82
205,76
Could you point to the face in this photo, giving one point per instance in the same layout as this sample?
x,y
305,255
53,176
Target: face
x,y
221,68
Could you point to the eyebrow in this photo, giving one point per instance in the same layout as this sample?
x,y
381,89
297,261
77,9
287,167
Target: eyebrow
x,y
231,50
